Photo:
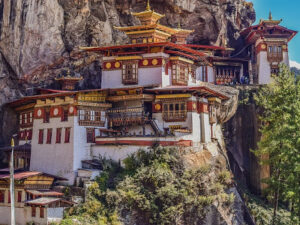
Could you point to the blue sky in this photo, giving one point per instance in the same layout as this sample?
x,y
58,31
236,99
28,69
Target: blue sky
x,y
289,11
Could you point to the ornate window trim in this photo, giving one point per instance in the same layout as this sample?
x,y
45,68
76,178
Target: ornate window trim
x,y
130,72
180,73
174,111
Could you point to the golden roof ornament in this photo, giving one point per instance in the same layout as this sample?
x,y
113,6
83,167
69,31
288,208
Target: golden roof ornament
x,y
148,8
270,16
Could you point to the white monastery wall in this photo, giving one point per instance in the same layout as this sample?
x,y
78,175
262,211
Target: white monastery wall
x,y
56,159
210,74
286,59
115,152
264,70
149,76
111,79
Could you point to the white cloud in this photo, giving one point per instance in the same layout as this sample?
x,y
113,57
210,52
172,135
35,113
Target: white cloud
x,y
294,64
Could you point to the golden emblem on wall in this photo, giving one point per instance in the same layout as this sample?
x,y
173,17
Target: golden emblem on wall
x,y
284,47
154,62
157,107
108,65
194,106
263,46
145,62
117,65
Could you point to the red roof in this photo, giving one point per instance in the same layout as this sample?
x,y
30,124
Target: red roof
x,y
254,32
202,89
20,175
169,45
26,174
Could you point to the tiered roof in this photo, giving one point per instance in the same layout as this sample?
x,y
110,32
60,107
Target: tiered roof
x,y
267,28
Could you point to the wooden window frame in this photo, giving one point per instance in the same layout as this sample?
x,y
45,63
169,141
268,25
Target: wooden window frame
x,y
33,211
67,134
273,53
175,111
58,135
19,196
180,73
91,117
42,212
65,115
41,136
2,196
90,135
49,136
46,118
130,72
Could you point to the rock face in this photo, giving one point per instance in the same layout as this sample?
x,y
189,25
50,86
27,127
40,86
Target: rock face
x,y
39,38
35,33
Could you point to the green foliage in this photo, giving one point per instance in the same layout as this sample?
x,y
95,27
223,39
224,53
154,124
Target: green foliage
x,y
262,212
153,188
280,143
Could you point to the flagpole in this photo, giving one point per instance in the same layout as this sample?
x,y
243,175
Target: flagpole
x,y
12,185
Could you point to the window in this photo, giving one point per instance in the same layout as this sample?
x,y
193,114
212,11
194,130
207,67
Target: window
x,y
174,111
30,117
90,135
91,117
19,196
2,196
65,115
58,135
180,73
41,136
67,135
8,196
49,136
47,116
227,74
41,212
130,72
203,73
33,211
275,53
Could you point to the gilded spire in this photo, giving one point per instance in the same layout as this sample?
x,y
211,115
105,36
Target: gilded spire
x,y
179,25
270,16
148,8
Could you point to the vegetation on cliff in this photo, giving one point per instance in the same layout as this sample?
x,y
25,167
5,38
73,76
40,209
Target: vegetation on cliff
x,y
154,188
279,146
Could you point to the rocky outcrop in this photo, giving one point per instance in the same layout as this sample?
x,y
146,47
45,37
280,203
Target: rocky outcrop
x,y
35,33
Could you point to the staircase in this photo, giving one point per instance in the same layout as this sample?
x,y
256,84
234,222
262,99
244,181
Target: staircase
x,y
154,126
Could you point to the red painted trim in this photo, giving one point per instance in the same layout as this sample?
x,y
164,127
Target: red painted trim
x,y
190,107
36,113
186,143
202,107
59,114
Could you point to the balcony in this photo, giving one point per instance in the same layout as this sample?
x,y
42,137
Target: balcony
x,y
275,57
175,116
127,116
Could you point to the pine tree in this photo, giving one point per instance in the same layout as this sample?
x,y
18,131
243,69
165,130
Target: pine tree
x,y
280,140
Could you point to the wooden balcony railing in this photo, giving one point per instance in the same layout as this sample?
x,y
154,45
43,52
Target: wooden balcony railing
x,y
174,116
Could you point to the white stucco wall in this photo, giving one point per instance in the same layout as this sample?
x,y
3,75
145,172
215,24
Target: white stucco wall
x,y
264,70
115,152
56,159
146,76
286,59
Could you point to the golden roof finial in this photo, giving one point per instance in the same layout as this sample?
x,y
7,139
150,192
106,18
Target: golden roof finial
x,y
179,25
270,16
148,8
